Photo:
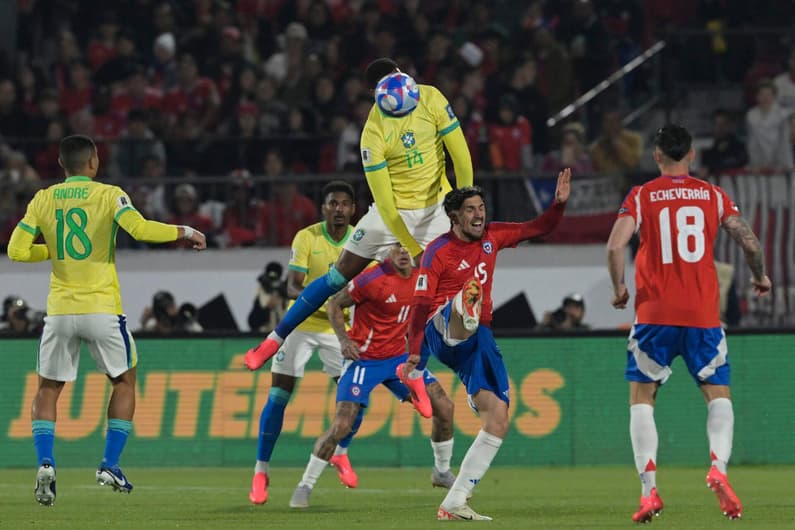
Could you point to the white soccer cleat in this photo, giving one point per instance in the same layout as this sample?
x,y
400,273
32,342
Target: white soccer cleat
x,y
45,485
300,498
460,513
442,480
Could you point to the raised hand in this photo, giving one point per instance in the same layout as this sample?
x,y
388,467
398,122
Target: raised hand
x,y
564,186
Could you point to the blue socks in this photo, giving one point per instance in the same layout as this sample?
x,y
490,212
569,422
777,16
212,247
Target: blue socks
x,y
345,442
270,422
115,440
43,438
312,298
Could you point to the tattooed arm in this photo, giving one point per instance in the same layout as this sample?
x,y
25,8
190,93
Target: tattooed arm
x,y
741,232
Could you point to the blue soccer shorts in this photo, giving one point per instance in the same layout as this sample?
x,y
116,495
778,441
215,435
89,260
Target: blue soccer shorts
x,y
477,360
652,348
359,378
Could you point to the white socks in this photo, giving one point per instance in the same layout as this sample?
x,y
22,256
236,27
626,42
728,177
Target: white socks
x,y
720,431
340,451
643,432
273,335
476,463
442,454
313,471
261,467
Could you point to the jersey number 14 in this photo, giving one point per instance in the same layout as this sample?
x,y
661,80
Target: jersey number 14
x,y
689,226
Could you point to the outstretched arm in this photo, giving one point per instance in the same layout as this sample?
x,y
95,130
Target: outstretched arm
x,y
379,183
459,153
622,232
155,232
22,248
741,232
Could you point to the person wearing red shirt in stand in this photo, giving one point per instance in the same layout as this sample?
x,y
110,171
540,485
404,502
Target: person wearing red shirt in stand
x,y
193,94
373,348
677,218
453,323
137,94
289,210
77,94
510,143
242,223
186,205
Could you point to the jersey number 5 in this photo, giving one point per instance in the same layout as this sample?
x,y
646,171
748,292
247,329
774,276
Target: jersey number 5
x,y
76,220
689,224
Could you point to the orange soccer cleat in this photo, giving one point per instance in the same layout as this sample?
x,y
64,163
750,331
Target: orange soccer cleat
x,y
256,357
344,470
259,489
416,386
649,507
730,505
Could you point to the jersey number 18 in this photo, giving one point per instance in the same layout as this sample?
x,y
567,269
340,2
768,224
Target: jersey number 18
x,y
685,230
76,221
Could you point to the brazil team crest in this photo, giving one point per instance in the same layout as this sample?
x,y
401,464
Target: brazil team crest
x,y
408,139
358,235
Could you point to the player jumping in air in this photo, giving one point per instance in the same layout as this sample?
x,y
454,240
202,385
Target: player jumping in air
x,y
314,249
677,218
78,219
450,319
404,163
373,349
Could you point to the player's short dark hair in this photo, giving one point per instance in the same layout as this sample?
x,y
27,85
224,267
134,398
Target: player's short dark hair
x,y
75,152
378,69
674,141
338,186
455,198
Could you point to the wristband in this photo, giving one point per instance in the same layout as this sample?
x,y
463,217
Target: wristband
x,y
188,231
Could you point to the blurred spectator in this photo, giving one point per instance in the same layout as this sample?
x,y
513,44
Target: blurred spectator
x,y
532,104
270,302
510,146
568,317
76,95
46,160
17,317
16,168
102,47
123,63
12,118
728,151
589,45
785,84
289,210
616,150
273,111
285,66
164,317
194,96
348,155
555,75
164,68
768,132
572,152
475,130
244,220
137,94
186,206
137,144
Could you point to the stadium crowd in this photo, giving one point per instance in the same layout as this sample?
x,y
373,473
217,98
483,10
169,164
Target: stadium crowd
x,y
230,89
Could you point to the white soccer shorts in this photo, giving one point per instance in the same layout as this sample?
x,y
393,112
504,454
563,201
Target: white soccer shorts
x,y
297,349
372,239
105,335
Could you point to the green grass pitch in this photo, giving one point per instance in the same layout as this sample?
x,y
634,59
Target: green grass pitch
x,y
516,497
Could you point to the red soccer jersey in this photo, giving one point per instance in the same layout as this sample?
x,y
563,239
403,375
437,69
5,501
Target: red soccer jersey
x,y
678,220
383,300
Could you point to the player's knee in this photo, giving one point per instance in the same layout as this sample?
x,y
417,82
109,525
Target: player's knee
x,y
335,279
340,428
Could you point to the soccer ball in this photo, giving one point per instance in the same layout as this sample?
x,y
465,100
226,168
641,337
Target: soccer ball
x,y
397,94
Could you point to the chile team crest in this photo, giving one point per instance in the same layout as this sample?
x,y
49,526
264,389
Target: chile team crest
x,y
488,248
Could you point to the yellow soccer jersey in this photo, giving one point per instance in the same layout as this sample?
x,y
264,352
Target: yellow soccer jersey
x,y
313,253
78,219
411,148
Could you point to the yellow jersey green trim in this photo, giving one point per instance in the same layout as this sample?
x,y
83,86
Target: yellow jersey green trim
x,y
450,128
376,167
329,238
78,178
34,231
120,212
297,268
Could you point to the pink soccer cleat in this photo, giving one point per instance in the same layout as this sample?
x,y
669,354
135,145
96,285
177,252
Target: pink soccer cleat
x,y
256,357
419,397
259,489
649,507
344,470
730,505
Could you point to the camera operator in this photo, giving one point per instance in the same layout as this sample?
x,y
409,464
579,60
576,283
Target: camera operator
x,y
270,303
19,318
163,316
568,317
